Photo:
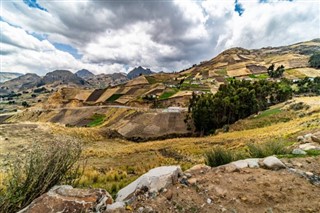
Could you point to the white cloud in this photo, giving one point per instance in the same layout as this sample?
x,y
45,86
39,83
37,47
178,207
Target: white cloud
x,y
167,36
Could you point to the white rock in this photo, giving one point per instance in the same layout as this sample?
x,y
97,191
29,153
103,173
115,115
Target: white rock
x,y
298,152
115,206
300,138
240,164
307,146
156,179
253,162
272,162
309,173
209,201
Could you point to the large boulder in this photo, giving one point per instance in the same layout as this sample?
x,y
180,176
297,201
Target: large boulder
x,y
68,199
273,163
153,181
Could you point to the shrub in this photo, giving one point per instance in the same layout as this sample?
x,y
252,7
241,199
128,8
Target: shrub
x,y
266,149
314,60
218,156
37,172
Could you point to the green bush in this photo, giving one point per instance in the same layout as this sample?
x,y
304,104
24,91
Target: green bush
x,y
218,156
37,172
266,149
314,60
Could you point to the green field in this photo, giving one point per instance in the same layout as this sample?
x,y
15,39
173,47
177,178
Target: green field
x,y
114,97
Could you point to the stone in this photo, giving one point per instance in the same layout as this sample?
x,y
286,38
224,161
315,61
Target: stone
x,y
300,138
315,139
253,162
116,206
169,195
192,181
229,168
307,138
307,146
273,163
209,201
309,173
198,168
188,175
154,180
65,198
298,152
240,164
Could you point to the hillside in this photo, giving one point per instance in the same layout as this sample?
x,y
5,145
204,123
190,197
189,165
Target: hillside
x,y
21,83
114,163
136,72
6,76
84,74
239,62
102,81
64,77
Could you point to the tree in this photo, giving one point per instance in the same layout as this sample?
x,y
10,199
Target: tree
x,y
314,60
25,104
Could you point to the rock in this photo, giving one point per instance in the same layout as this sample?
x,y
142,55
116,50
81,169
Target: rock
x,y
192,181
116,206
198,168
209,201
307,146
273,163
298,152
309,173
307,138
68,199
169,195
154,180
300,138
240,164
315,139
188,175
229,168
253,162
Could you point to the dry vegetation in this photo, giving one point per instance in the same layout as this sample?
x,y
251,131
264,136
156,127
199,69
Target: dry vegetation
x,y
113,163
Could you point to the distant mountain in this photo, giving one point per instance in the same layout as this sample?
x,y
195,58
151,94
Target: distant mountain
x,y
6,76
59,77
136,72
85,74
20,83
105,80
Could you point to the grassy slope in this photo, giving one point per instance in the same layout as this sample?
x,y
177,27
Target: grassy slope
x,y
115,163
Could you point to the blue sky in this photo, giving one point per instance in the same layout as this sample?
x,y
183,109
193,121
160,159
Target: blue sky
x,y
115,36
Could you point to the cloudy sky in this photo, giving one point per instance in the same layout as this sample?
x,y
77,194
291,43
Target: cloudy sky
x,y
106,36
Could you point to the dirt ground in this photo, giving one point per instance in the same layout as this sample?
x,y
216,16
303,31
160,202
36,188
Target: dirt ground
x,y
243,191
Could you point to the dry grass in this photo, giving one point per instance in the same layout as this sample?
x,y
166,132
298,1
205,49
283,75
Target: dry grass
x,y
109,158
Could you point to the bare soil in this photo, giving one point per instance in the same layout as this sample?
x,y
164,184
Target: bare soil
x,y
242,191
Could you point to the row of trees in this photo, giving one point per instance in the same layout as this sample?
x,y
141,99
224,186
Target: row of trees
x,y
308,85
235,101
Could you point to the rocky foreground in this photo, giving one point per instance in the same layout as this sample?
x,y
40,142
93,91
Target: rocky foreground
x,y
251,185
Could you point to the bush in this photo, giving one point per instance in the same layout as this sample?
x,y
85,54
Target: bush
x,y
218,156
314,60
35,174
266,149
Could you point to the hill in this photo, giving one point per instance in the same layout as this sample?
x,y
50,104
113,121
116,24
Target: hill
x,y
64,77
136,72
84,74
21,83
240,62
6,76
105,80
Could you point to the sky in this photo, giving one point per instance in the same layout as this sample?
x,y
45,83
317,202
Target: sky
x,y
107,36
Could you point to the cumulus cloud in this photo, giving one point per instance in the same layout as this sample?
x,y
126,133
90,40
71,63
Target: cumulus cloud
x,y
112,36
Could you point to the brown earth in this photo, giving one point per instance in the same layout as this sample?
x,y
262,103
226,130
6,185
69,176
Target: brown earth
x,y
243,191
